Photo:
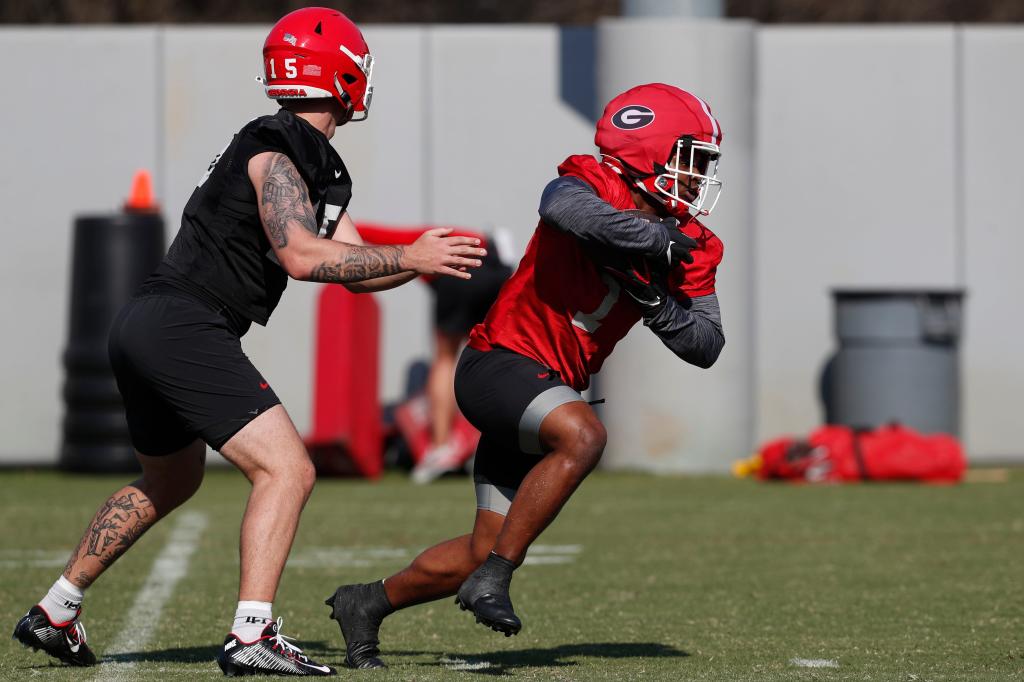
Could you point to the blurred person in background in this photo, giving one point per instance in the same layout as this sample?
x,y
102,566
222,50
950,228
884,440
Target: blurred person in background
x,y
458,306
271,205
619,241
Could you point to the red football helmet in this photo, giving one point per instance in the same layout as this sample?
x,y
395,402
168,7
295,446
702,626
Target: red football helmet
x,y
666,142
318,52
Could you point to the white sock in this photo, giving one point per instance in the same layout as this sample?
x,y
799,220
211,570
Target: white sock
x,y
63,601
250,619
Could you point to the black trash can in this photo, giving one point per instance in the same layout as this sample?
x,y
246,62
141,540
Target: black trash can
x,y
112,255
898,359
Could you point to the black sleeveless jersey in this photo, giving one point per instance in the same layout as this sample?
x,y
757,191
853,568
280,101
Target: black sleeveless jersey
x,y
221,253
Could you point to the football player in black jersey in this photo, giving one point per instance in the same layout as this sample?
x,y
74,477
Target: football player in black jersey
x,y
271,206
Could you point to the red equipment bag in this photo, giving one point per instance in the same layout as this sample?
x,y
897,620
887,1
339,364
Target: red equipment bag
x,y
834,454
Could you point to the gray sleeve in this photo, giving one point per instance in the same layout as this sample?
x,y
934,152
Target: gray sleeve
x,y
571,205
693,333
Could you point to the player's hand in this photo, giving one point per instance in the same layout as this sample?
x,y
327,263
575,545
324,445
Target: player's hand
x,y
647,286
679,245
435,253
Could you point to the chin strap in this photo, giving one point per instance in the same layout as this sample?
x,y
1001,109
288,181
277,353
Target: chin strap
x,y
636,181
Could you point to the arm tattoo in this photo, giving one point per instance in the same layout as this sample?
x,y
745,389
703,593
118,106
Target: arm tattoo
x,y
116,526
285,199
359,263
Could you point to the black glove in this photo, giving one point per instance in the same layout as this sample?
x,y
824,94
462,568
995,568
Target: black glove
x,y
647,286
679,245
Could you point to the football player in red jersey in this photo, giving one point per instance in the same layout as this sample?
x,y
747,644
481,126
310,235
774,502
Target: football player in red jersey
x,y
594,268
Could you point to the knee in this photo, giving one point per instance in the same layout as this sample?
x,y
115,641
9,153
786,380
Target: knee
x,y
298,475
301,476
306,476
586,447
295,472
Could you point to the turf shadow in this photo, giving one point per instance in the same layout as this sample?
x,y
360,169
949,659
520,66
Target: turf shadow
x,y
501,662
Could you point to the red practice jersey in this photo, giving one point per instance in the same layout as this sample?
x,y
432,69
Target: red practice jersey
x,y
561,309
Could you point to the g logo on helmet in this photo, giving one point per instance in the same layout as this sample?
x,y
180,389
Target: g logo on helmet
x,y
633,117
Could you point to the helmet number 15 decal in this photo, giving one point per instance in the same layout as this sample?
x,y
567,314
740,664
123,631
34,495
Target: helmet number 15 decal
x,y
589,322
290,70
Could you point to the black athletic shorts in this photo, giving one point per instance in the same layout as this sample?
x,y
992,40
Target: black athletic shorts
x,y
506,396
182,373
459,304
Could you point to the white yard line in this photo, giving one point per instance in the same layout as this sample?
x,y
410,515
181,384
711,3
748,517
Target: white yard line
x,y
369,557
170,566
556,549
814,662
463,664
548,555
548,560
337,557
32,558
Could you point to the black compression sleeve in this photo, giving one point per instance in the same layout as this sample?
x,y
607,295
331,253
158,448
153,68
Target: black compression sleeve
x,y
695,334
571,205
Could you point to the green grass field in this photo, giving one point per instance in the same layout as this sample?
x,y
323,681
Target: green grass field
x,y
641,578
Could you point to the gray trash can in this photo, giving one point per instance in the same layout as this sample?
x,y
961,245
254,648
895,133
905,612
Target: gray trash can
x,y
898,359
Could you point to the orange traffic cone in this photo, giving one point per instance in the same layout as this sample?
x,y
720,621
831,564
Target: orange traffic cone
x,y
141,199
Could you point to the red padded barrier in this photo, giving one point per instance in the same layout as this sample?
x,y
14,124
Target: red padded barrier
x,y
347,438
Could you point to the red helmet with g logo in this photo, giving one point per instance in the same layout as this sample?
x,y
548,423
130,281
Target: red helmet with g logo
x,y
318,52
666,142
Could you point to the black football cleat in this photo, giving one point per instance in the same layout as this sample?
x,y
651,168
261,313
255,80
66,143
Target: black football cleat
x,y
359,625
488,600
63,641
269,654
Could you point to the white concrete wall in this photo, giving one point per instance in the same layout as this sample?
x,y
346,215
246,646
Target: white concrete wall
x,y
80,115
855,187
663,414
990,178
497,127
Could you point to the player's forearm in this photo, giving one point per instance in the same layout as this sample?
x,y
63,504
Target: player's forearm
x,y
323,260
571,205
380,283
695,335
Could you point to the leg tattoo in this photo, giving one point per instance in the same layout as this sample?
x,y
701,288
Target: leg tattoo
x,y
116,526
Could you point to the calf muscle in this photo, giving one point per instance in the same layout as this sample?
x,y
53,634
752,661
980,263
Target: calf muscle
x,y
117,524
